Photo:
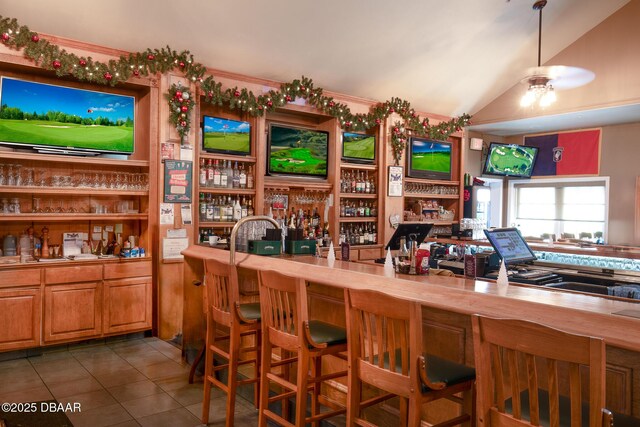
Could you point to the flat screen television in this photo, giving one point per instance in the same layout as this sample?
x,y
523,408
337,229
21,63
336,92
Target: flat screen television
x,y
226,136
65,120
510,160
358,147
510,245
297,151
429,159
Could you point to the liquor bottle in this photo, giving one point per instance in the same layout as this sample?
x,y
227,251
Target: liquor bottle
x,y
236,176
250,179
209,173
224,177
367,184
216,175
203,207
372,185
243,177
374,235
243,207
361,237
343,212
250,208
203,174
367,209
229,175
237,211
353,183
209,209
222,213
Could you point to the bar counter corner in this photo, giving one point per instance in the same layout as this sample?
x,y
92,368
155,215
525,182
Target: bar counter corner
x,y
447,305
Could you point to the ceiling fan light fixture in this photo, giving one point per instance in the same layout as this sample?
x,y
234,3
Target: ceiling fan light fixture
x,y
541,80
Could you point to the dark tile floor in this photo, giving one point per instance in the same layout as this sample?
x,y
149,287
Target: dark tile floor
x,y
134,382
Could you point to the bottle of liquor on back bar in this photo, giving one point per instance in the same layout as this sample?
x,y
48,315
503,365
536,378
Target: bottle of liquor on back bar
x,y
344,250
243,177
202,173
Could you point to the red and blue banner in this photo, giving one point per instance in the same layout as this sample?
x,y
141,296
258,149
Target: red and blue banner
x,y
567,153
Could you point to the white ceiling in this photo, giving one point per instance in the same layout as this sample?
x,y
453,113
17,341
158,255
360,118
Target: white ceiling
x,y
445,57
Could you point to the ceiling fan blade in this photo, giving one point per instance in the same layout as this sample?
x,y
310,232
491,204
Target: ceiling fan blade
x,y
561,76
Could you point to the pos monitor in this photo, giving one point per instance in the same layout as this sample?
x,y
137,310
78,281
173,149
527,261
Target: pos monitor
x,y
416,232
510,245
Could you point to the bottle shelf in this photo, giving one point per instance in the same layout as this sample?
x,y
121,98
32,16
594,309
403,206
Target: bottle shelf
x,y
358,166
431,222
358,219
431,181
216,224
74,191
229,191
68,159
63,217
430,196
239,159
358,196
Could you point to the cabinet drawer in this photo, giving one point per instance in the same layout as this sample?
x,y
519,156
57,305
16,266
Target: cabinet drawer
x,y
127,269
83,273
20,277
365,254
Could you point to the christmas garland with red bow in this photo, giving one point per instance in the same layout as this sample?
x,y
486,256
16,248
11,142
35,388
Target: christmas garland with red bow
x,y
51,57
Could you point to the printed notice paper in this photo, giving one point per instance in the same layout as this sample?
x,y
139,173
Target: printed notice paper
x,y
166,214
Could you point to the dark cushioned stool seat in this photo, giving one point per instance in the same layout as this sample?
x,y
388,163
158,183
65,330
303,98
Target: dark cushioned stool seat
x,y
325,333
250,310
619,420
445,371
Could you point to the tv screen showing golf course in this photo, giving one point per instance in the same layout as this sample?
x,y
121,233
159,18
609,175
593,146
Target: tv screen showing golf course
x,y
510,160
226,136
44,115
358,147
297,151
429,159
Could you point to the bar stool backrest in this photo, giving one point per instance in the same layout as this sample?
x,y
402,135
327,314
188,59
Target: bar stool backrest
x,y
223,295
516,358
385,340
283,301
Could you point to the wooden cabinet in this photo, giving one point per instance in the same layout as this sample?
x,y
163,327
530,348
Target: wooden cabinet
x,y
72,311
127,300
20,318
127,305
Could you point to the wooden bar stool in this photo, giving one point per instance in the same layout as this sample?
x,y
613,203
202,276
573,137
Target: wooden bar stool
x,y
241,320
286,325
523,367
386,351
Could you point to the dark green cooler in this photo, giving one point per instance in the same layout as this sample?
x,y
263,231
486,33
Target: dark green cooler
x,y
300,247
265,247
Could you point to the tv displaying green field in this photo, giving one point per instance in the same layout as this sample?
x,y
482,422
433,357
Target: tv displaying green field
x,y
429,159
510,160
226,136
44,116
358,147
296,151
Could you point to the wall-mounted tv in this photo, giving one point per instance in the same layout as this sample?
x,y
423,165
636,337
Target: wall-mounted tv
x,y
510,160
297,151
358,147
65,120
226,136
429,159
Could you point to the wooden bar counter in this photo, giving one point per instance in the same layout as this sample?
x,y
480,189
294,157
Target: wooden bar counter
x,y
447,305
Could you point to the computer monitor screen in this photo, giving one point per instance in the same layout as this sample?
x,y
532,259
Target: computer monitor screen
x,y
416,232
509,245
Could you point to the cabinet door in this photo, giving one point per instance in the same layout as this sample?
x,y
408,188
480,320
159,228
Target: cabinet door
x,y
20,318
72,311
127,305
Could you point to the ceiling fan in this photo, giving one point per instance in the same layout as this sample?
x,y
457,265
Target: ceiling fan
x,y
543,81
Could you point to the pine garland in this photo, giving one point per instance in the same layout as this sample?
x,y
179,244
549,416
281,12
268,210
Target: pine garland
x,y
51,57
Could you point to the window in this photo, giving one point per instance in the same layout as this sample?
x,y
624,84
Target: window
x,y
566,207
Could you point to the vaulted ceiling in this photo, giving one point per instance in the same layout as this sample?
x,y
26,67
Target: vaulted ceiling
x,y
444,57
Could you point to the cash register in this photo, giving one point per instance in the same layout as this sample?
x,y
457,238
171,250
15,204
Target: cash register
x,y
517,256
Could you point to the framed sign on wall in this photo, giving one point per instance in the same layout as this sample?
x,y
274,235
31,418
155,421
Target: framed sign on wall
x,y
177,181
395,181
